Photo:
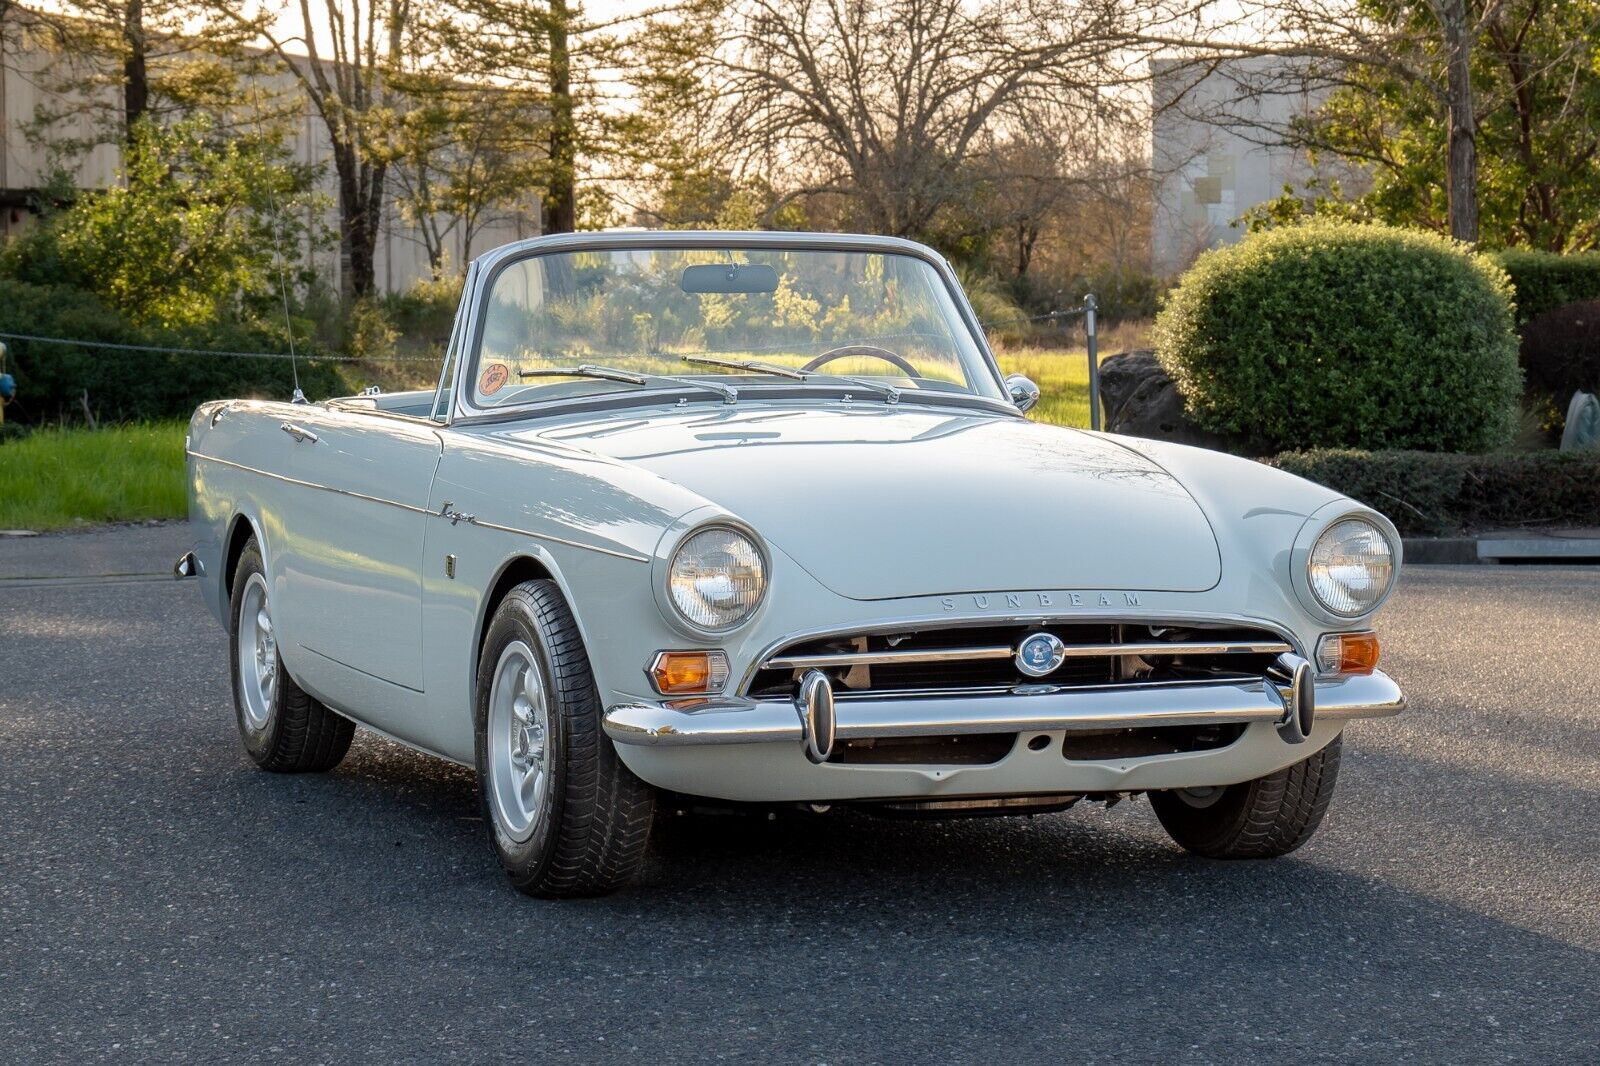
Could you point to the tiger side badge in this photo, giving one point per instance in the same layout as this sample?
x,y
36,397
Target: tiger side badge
x,y
494,376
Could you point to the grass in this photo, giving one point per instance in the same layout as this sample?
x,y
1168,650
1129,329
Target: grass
x,y
60,478
1063,379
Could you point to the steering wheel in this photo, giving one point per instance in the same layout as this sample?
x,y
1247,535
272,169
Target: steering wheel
x,y
871,350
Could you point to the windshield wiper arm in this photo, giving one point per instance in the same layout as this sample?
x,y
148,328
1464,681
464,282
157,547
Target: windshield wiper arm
x,y
728,393
888,392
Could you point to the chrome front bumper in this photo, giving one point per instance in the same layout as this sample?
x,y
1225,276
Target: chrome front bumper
x,y
1043,709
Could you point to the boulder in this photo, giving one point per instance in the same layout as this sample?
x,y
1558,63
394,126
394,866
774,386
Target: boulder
x,y
1139,399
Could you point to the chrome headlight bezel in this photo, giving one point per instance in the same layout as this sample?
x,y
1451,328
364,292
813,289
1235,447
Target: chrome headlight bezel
x,y
668,597
1318,525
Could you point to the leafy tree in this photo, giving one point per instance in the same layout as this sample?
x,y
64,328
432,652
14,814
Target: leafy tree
x,y
1536,84
120,60
1474,116
464,155
194,231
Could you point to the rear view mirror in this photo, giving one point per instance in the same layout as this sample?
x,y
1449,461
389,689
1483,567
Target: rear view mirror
x,y
729,277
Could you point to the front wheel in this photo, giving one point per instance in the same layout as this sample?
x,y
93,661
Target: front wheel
x,y
565,816
1258,819
283,728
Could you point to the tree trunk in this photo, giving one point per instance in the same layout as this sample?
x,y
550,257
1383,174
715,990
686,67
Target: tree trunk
x,y
1461,168
561,199
135,76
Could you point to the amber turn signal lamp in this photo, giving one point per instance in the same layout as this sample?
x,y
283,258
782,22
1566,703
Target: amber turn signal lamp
x,y
683,673
1348,653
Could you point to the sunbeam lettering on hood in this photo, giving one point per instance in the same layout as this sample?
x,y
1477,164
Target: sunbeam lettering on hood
x,y
880,503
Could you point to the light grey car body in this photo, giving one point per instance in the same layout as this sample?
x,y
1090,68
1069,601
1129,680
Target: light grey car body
x,y
389,525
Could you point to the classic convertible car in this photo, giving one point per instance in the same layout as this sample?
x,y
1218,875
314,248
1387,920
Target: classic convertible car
x,y
756,518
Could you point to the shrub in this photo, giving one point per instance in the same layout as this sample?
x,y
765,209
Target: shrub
x,y
133,385
1425,493
1561,351
1334,334
1543,281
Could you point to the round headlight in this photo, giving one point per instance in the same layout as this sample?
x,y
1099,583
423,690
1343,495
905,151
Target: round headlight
x,y
1350,567
717,578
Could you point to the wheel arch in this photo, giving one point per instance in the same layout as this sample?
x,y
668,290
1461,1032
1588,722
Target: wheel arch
x,y
240,530
525,562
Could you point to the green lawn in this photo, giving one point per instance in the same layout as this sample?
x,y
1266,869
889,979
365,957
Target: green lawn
x,y
59,478
1063,380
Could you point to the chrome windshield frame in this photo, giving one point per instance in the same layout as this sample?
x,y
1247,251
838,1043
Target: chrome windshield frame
x,y
487,267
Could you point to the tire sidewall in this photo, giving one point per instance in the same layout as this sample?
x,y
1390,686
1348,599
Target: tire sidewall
x,y
260,743
524,860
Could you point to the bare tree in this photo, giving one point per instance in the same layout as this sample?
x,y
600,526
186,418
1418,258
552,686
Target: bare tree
x,y
368,43
885,104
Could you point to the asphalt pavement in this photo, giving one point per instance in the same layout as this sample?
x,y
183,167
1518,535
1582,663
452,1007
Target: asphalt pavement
x,y
161,899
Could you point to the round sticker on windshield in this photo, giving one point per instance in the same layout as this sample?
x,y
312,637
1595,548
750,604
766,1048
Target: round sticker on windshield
x,y
494,376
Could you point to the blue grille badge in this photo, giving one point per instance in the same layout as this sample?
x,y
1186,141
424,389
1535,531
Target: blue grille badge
x,y
1039,654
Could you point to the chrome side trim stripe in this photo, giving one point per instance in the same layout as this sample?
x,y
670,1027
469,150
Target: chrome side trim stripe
x,y
1072,651
412,508
630,556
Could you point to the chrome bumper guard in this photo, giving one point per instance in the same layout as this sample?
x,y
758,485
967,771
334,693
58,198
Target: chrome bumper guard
x,y
1040,708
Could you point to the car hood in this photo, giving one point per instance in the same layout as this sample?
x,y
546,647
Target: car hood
x,y
879,502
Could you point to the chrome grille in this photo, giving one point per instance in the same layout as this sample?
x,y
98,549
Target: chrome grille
x,y
981,658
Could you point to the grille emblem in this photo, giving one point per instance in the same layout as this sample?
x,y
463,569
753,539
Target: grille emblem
x,y
1039,654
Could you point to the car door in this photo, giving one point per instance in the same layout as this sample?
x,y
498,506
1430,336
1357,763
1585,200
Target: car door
x,y
351,553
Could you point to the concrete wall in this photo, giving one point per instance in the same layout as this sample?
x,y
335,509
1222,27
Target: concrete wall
x,y
1211,146
29,68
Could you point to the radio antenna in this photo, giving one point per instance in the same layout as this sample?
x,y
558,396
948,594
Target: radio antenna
x,y
283,290
283,274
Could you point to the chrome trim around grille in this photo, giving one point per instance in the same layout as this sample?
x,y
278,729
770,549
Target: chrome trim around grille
x,y
1052,708
1071,651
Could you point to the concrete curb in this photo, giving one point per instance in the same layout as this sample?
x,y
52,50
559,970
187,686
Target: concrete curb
x,y
1510,547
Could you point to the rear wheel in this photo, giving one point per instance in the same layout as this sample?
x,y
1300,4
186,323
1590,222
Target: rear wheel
x,y
282,727
565,816
1258,819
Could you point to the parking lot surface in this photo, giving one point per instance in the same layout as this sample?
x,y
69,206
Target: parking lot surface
x,y
162,899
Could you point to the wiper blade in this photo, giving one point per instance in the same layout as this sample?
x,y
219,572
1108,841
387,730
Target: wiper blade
x,y
606,373
587,370
888,392
749,364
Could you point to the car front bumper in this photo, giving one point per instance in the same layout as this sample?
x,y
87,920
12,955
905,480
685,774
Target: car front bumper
x,y
754,750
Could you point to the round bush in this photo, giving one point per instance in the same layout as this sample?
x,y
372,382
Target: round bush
x,y
1336,335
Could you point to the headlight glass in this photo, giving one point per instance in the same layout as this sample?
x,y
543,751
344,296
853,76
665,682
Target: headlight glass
x,y
1350,567
717,578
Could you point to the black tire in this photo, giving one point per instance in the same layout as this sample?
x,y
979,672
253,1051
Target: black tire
x,y
591,832
299,735
1258,819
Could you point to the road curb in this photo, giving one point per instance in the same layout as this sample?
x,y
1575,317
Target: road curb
x,y
1528,547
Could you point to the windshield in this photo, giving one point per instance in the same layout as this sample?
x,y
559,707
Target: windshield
x,y
632,318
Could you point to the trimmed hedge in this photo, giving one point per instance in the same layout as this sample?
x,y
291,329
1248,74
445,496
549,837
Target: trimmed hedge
x,y
130,385
1543,281
1428,494
1334,334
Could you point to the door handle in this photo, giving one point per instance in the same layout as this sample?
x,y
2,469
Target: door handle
x,y
298,433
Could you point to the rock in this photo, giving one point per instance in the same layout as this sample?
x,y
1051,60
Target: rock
x,y
1139,399
1583,423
